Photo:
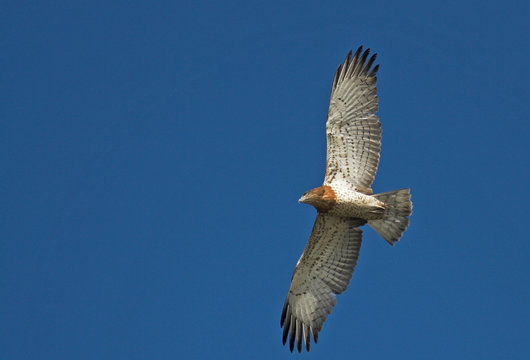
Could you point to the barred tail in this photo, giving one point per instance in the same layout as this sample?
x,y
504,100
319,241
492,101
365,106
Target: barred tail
x,y
395,218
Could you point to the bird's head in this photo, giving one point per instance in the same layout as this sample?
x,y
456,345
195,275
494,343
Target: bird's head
x,y
310,197
322,198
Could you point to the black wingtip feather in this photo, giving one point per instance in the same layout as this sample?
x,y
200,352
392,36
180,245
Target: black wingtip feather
x,y
291,336
348,58
307,339
284,313
286,327
374,71
357,53
336,78
362,60
296,331
346,66
299,340
365,56
369,64
354,65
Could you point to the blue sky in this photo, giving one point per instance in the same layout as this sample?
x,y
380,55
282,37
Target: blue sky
x,y
152,155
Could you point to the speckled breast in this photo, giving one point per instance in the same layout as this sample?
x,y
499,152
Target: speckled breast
x,y
356,204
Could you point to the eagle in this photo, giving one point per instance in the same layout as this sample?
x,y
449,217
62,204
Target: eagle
x,y
344,202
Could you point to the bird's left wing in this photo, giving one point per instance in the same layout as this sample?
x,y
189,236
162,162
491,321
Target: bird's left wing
x,y
323,271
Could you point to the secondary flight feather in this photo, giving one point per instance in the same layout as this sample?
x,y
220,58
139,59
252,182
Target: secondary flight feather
x,y
344,202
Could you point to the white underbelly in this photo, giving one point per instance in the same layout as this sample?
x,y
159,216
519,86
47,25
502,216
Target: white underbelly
x,y
355,204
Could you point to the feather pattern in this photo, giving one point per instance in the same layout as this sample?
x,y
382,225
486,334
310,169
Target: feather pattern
x,y
353,130
344,202
323,271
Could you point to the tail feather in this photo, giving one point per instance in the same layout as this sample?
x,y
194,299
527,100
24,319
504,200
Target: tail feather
x,y
395,218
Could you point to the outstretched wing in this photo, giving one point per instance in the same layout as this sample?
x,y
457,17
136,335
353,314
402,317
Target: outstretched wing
x,y
323,271
353,130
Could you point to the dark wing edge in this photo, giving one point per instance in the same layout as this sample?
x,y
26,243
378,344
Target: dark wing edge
x,y
355,66
323,271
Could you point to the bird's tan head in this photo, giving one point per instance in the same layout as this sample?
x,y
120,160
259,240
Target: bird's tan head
x,y
322,198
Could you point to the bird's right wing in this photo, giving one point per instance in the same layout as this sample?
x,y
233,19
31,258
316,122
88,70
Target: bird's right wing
x,y
323,271
353,129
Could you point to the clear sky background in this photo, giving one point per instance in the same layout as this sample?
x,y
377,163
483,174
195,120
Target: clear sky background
x,y
152,155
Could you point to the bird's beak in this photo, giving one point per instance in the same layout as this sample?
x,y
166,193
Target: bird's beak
x,y
303,199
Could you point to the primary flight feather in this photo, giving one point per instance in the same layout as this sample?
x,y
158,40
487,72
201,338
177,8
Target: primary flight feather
x,y
344,202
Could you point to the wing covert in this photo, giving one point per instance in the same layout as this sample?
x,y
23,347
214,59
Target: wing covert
x,y
323,271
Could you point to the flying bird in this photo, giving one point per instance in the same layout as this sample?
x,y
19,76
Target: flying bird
x,y
344,202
